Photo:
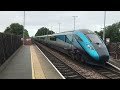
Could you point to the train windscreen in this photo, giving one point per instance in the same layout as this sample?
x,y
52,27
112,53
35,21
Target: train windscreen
x,y
94,38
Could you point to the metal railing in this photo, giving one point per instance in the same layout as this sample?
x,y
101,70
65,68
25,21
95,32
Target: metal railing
x,y
114,50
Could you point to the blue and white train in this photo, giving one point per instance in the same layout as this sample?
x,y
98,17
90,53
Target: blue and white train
x,y
83,45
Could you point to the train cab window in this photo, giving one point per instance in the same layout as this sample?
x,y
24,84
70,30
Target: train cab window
x,y
52,38
77,37
93,38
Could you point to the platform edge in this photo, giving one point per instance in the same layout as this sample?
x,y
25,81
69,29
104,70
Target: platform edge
x,y
51,63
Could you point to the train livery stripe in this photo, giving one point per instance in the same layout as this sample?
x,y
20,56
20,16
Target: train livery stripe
x,y
93,53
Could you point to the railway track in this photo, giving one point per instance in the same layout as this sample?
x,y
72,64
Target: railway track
x,y
108,71
64,69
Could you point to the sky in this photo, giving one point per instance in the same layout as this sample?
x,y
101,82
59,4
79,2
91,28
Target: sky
x,y
93,20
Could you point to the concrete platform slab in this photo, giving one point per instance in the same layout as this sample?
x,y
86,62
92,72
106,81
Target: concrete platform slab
x,y
29,63
19,67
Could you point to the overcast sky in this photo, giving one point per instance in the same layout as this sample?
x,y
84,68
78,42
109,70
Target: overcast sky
x,y
93,20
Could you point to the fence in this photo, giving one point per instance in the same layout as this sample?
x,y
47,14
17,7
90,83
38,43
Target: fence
x,y
114,50
8,45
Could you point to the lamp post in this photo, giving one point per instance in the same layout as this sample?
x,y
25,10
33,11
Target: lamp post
x,y
74,21
72,38
104,26
24,27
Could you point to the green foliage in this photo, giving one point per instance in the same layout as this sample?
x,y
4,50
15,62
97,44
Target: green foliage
x,y
7,30
26,35
100,34
16,29
43,31
112,32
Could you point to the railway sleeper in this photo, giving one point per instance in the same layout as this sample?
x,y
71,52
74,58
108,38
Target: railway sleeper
x,y
106,72
117,77
60,66
72,76
64,71
112,75
69,73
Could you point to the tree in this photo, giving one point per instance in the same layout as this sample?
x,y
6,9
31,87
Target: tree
x,y
100,34
112,32
16,29
26,35
7,30
43,31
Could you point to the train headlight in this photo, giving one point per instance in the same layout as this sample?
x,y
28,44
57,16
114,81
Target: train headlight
x,y
90,47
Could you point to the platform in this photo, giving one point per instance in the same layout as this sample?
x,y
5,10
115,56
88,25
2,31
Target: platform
x,y
29,63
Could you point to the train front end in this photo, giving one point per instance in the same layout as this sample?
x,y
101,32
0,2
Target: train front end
x,y
95,50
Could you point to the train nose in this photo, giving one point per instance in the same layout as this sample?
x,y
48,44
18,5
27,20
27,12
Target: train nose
x,y
103,55
104,58
100,58
102,52
95,56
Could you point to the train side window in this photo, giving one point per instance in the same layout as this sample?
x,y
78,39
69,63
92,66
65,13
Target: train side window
x,y
53,38
42,38
67,39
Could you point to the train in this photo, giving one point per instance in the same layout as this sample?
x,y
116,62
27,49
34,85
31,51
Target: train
x,y
82,45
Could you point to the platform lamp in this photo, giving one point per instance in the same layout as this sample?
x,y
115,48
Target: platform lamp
x,y
74,24
23,28
104,26
74,21
74,30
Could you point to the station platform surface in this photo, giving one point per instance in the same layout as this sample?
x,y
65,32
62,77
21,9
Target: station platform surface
x,y
29,63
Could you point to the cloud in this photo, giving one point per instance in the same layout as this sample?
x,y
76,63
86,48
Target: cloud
x,y
34,20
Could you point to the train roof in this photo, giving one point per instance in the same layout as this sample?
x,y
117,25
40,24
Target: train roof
x,y
85,31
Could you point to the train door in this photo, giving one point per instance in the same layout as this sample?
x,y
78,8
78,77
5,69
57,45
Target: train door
x,y
65,42
72,47
68,41
66,45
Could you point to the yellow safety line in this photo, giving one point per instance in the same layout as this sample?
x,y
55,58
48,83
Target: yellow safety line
x,y
33,76
36,67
